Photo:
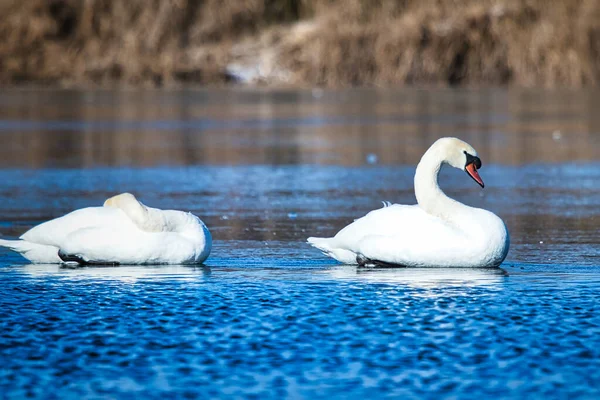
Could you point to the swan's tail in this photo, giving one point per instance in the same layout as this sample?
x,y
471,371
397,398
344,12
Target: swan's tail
x,y
327,246
34,252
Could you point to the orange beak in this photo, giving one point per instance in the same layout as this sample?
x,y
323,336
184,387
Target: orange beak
x,y
472,171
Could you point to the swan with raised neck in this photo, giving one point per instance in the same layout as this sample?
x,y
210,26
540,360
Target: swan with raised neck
x,y
436,232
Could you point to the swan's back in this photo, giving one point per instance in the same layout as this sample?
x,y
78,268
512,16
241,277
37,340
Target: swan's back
x,y
408,223
55,232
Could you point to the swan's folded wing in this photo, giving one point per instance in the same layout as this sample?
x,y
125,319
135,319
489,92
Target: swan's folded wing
x,y
126,246
398,234
396,220
413,251
56,231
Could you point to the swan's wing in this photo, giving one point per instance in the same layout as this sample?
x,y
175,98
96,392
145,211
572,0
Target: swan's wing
x,y
396,220
100,245
398,234
56,231
401,250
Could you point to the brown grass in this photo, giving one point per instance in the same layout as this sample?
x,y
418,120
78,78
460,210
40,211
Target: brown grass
x,y
350,42
530,43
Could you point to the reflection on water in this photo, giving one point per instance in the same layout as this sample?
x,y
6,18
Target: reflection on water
x,y
85,129
421,277
125,274
411,277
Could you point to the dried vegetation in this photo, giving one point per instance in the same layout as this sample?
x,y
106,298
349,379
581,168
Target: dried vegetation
x,y
301,42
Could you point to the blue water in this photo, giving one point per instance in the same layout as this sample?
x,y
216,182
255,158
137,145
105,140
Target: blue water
x,y
300,331
268,316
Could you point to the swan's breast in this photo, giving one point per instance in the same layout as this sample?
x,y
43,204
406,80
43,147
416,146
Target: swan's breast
x,y
490,237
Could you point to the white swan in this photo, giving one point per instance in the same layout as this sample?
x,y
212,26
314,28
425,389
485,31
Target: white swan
x,y
436,232
123,231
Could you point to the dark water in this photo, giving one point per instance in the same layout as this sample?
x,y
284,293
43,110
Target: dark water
x,y
268,316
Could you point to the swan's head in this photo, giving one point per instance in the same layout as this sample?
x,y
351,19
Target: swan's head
x,y
128,203
460,155
146,218
123,200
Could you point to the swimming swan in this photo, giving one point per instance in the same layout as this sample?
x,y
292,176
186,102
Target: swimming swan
x,y
436,232
123,231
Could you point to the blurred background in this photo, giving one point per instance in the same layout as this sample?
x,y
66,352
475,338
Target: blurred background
x,y
331,43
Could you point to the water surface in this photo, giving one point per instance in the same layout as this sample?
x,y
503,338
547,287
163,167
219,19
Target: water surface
x,y
268,316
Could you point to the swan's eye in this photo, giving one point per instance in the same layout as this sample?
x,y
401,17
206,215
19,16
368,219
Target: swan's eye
x,y
472,160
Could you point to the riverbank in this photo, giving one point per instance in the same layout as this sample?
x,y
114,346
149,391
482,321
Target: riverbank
x,y
300,43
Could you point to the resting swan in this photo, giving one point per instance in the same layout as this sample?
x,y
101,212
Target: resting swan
x,y
436,232
123,231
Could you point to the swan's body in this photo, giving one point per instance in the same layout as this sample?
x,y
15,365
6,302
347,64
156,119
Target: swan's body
x,y
123,231
437,232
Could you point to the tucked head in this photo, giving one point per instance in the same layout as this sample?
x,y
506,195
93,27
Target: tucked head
x,y
123,200
460,155
128,203
145,218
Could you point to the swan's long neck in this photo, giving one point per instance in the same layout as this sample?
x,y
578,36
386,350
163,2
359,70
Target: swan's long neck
x,y
429,195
